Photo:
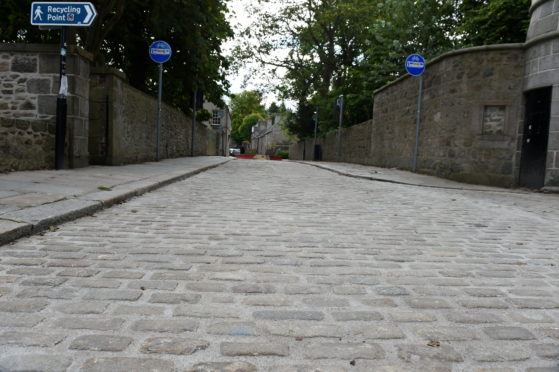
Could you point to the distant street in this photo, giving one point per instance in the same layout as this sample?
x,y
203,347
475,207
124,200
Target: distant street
x,y
281,266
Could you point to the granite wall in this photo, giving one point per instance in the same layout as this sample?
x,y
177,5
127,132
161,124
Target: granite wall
x,y
542,70
355,146
471,111
26,144
123,125
29,83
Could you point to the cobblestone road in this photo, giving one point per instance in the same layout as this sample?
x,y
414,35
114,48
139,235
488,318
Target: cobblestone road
x,y
278,266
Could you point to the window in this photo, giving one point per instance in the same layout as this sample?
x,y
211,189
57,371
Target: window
x,y
216,117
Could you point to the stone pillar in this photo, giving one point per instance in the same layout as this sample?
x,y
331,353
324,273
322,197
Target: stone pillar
x,y
542,70
29,83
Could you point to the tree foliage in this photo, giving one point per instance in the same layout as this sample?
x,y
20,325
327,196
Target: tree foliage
x,y
326,48
244,105
494,21
244,131
124,29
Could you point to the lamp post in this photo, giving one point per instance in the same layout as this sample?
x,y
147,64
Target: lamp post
x,y
340,104
315,117
193,129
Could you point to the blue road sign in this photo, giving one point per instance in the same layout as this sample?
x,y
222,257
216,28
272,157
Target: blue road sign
x,y
62,14
160,52
415,65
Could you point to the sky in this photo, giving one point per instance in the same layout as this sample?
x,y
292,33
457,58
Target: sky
x,y
239,20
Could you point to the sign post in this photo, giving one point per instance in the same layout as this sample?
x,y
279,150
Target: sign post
x,y
159,52
63,15
61,106
415,65
315,118
340,104
193,129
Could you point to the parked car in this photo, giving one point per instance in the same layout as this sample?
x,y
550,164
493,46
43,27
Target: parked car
x,y
234,151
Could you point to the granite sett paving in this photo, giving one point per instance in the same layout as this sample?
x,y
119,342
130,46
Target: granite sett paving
x,y
282,266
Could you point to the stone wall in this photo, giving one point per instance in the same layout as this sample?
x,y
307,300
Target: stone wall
x,y
355,146
29,83
123,125
471,113
26,144
470,116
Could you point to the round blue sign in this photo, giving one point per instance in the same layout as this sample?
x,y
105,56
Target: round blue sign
x,y
415,65
160,52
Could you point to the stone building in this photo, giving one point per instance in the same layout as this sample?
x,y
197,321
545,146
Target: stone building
x,y
490,115
268,136
220,121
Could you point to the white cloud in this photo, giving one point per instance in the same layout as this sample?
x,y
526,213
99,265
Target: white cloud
x,y
247,78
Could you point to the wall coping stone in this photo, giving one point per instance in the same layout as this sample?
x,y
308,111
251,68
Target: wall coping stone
x,y
44,48
453,53
536,4
107,71
541,39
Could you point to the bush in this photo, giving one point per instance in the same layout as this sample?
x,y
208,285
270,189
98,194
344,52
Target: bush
x,y
283,154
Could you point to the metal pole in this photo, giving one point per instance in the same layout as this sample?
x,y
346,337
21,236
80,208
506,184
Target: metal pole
x,y
159,97
418,123
193,122
225,134
340,123
315,130
61,106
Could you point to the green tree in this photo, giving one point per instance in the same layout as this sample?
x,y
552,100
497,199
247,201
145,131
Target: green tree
x,y
301,123
329,47
194,29
320,40
124,29
316,43
14,18
494,21
401,28
243,105
244,131
273,109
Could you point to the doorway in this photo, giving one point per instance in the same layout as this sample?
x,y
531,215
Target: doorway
x,y
534,142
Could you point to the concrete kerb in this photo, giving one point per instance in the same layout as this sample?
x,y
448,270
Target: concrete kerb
x,y
34,220
121,193
386,180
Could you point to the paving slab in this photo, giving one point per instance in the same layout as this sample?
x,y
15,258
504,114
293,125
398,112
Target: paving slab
x,y
393,175
32,201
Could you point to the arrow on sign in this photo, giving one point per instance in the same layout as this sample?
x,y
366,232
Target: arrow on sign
x,y
90,13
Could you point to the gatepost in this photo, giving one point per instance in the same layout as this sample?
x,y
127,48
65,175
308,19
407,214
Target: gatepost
x,y
63,15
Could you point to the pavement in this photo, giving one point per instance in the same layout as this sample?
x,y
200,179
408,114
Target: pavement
x,y
402,177
263,266
33,201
